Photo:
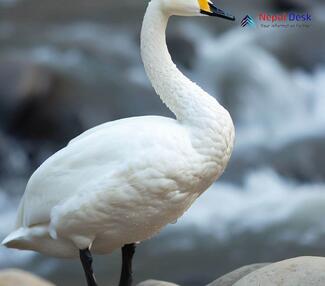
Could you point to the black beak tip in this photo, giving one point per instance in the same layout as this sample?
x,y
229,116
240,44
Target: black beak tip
x,y
230,17
220,13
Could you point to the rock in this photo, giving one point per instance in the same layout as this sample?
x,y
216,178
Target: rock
x,y
232,277
13,277
242,163
155,283
20,80
302,160
302,271
32,103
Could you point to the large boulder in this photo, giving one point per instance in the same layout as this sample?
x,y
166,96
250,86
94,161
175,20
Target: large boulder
x,y
32,103
13,277
301,271
21,81
301,160
232,277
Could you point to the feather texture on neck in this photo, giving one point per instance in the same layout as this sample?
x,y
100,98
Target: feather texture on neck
x,y
192,106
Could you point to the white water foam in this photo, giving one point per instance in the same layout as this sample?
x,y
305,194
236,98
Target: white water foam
x,y
270,104
264,200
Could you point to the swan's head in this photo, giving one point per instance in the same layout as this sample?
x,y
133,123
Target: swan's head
x,y
194,8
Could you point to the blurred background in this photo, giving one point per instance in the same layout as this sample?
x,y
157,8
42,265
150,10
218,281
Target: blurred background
x,y
68,65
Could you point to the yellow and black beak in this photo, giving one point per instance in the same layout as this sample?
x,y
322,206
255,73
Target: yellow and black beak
x,y
208,8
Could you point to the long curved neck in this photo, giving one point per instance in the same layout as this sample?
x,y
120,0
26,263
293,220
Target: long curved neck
x,y
183,97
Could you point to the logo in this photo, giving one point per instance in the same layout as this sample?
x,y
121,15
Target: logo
x,y
285,20
284,17
248,21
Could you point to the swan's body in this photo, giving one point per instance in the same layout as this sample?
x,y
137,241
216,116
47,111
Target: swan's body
x,y
122,181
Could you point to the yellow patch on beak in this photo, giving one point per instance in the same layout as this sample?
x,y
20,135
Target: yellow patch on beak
x,y
204,5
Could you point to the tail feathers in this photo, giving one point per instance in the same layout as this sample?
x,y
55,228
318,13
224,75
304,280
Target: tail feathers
x,y
16,239
37,238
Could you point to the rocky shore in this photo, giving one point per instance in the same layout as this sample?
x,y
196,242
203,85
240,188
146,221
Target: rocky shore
x,y
300,271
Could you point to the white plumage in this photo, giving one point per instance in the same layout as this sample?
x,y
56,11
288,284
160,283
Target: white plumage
x,y
122,181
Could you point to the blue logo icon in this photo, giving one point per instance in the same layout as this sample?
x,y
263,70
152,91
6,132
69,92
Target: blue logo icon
x,y
248,21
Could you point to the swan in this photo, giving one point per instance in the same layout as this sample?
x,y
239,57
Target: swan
x,y
121,182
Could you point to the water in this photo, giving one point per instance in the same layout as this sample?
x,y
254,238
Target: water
x,y
264,200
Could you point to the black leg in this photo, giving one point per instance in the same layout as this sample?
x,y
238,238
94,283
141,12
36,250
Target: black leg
x,y
87,260
127,255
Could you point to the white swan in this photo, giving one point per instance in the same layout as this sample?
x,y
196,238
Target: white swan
x,y
121,182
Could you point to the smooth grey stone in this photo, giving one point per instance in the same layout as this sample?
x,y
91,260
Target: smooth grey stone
x,y
15,277
301,271
156,283
232,277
